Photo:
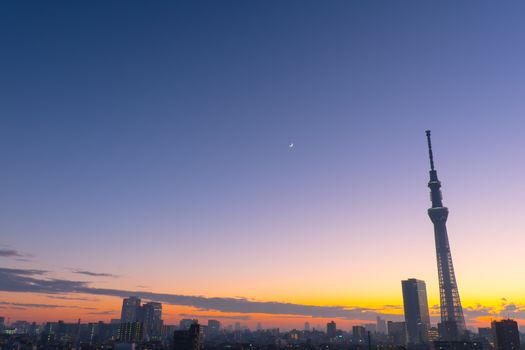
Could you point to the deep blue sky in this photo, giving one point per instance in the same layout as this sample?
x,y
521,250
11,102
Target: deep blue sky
x,y
152,128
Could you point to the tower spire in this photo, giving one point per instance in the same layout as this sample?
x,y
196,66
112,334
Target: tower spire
x,y
430,154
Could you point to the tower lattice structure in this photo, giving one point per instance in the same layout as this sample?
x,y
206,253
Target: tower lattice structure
x,y
451,310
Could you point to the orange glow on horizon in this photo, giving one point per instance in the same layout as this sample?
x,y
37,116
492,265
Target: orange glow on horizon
x,y
32,307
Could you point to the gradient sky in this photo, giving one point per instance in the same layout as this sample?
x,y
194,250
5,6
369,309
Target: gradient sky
x,y
148,142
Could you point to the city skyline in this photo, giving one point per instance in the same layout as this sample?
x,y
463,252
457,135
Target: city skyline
x,y
273,174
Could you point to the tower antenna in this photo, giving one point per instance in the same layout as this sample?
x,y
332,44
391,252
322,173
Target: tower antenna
x,y
430,154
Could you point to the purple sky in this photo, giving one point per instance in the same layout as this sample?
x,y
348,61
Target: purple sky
x,y
150,141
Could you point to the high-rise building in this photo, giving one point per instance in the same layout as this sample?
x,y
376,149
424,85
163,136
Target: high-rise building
x,y
397,332
506,335
152,318
331,329
415,304
187,339
131,310
451,310
381,325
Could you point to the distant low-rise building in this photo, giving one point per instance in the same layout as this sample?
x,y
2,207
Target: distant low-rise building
x,y
397,332
186,323
214,327
457,345
130,332
381,326
358,334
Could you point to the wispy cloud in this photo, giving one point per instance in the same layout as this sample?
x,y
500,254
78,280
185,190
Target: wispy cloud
x,y
42,306
108,312
218,317
8,253
63,297
93,274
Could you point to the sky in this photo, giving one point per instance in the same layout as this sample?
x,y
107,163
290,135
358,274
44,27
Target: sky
x,y
144,149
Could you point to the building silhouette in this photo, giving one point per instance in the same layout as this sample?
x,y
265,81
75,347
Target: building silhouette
x,y
186,323
130,332
433,334
397,332
485,332
452,319
370,327
457,345
152,318
381,325
358,334
506,335
214,327
415,304
331,329
187,339
131,310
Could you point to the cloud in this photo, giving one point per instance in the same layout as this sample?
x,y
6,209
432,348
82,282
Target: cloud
x,y
14,305
506,309
108,312
30,280
28,305
23,272
63,297
34,281
219,317
512,310
8,253
478,310
37,281
94,274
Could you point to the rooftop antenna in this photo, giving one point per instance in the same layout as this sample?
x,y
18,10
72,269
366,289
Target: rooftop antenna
x,y
430,155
